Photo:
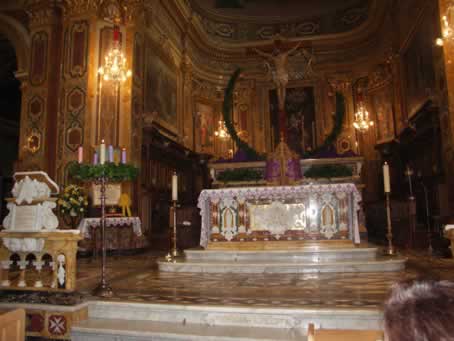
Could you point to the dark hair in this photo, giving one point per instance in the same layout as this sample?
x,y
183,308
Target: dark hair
x,y
420,310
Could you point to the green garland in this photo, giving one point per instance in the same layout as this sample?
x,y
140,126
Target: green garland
x,y
337,128
328,171
251,153
227,110
112,171
241,174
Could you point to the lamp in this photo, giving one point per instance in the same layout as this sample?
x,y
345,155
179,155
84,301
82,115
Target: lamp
x,y
115,67
222,132
362,123
447,33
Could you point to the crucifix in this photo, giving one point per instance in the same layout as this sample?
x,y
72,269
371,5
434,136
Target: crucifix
x,y
279,58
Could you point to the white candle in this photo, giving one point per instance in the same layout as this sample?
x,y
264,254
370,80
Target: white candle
x,y
386,180
102,153
80,154
174,186
123,155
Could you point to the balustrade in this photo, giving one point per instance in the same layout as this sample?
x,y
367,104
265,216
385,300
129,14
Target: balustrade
x,y
38,260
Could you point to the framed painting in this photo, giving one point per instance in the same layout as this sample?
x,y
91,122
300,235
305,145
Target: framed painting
x,y
161,88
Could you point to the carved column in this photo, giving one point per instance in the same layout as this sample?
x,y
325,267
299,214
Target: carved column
x,y
39,131
188,122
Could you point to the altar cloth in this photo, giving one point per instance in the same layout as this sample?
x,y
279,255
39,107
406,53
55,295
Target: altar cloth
x,y
326,211
87,223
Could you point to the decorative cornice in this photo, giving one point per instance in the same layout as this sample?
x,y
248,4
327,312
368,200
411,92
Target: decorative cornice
x,y
236,29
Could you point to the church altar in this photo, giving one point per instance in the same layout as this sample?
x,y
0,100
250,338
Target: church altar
x,y
279,216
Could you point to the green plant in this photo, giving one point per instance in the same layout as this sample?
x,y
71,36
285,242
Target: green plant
x,y
240,175
328,171
112,172
72,202
227,109
337,127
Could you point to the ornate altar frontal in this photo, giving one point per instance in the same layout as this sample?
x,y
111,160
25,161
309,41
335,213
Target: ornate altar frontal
x,y
278,217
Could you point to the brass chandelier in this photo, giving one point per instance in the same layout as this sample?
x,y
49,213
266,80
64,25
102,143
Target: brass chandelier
x,y
362,121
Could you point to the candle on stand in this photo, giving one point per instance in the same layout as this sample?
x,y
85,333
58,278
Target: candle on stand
x,y
80,154
95,158
174,186
111,156
123,155
386,179
102,153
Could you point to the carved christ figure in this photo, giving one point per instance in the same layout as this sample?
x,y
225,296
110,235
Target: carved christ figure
x,y
280,77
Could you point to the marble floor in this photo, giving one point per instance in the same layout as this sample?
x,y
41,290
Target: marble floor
x,y
136,279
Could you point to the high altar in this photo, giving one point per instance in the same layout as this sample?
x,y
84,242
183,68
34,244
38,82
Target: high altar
x,y
280,217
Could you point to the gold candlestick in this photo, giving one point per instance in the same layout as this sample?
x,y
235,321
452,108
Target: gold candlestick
x,y
173,252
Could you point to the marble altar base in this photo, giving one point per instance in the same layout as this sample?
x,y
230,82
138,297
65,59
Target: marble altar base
x,y
303,261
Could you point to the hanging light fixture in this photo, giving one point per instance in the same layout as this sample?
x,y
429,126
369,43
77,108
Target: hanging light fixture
x,y
115,66
222,132
362,122
447,33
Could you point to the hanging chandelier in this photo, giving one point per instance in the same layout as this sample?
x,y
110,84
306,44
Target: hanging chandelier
x,y
115,66
362,122
222,132
447,33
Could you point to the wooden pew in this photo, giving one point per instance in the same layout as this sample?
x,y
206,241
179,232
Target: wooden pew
x,y
12,325
343,335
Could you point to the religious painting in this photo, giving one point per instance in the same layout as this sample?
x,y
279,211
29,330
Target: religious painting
x,y
160,88
300,110
418,63
382,112
204,127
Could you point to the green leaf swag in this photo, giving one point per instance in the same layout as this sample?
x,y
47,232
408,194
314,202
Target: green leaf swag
x,y
251,153
112,171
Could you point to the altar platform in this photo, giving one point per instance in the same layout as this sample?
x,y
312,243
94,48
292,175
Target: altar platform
x,y
149,304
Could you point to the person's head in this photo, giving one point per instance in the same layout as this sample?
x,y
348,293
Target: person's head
x,y
420,311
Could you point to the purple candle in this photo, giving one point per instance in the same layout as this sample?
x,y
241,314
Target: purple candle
x,y
123,155
95,158
111,153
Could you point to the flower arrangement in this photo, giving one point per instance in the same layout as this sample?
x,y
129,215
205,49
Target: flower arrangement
x,y
72,204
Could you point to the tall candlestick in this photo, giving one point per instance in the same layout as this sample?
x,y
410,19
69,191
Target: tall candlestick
x,y
386,179
102,153
95,158
80,154
174,186
123,155
111,156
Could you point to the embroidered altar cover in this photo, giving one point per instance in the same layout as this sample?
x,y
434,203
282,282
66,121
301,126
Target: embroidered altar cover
x,y
281,213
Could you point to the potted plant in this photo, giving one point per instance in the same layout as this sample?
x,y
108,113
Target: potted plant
x,y
72,205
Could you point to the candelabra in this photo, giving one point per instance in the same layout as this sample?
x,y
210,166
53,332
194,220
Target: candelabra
x,y
446,30
222,132
103,289
362,122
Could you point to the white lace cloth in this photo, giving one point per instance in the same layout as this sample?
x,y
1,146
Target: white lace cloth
x,y
276,193
87,223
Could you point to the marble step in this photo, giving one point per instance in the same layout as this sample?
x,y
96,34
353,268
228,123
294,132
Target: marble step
x,y
381,264
308,255
237,316
118,329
